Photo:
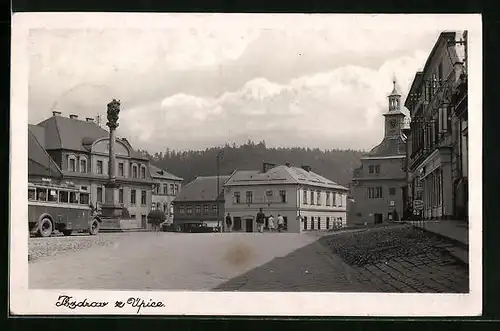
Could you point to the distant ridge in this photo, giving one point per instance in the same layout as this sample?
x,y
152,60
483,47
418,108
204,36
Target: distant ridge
x,y
335,164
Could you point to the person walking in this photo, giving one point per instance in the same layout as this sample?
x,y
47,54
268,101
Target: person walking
x,y
260,220
281,223
271,223
229,222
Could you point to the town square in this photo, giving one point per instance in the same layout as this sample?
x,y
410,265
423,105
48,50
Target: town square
x,y
255,173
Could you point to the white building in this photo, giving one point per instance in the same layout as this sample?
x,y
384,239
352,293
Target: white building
x,y
306,200
165,188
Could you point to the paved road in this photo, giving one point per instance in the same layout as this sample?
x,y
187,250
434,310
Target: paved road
x,y
257,262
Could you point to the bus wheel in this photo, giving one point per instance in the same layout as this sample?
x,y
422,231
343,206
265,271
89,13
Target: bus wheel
x,y
94,227
45,227
67,232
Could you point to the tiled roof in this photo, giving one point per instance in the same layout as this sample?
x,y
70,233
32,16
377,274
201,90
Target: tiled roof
x,y
388,147
282,174
160,173
39,162
202,189
71,134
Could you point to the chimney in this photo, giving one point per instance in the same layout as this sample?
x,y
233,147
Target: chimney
x,y
56,113
89,119
73,116
266,166
306,168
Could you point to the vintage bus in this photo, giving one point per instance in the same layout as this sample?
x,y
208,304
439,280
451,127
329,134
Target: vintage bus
x,y
62,207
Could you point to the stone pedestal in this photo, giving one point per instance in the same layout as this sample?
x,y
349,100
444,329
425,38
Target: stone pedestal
x,y
110,208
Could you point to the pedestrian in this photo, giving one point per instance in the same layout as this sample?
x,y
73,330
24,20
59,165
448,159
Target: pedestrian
x,y
260,220
281,223
229,222
271,223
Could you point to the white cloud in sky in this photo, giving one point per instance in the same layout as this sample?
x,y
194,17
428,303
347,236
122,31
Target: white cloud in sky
x,y
195,88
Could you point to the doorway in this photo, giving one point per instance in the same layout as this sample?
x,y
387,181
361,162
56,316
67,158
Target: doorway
x,y
248,225
305,222
378,218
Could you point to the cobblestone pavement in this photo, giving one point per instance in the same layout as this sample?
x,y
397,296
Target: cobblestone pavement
x,y
394,259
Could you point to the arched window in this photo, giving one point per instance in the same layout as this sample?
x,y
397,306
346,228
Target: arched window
x,y
83,164
143,171
71,163
134,171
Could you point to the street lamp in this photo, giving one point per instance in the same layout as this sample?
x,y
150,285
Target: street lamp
x,y
219,157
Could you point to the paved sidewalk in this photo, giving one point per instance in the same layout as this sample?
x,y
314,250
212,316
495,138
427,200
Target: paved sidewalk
x,y
455,230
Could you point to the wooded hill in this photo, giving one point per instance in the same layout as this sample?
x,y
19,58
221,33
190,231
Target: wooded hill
x,y
334,164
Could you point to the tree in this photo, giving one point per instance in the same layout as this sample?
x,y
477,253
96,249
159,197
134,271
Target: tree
x,y
125,212
156,217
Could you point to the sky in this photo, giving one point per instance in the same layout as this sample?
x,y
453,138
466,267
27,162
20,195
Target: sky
x,y
199,87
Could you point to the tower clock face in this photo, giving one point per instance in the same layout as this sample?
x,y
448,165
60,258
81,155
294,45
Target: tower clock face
x,y
393,124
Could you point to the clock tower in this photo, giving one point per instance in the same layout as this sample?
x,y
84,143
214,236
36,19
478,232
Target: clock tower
x,y
394,117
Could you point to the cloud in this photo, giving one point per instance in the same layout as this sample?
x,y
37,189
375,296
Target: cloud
x,y
339,108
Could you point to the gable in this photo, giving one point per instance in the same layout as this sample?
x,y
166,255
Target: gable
x,y
102,146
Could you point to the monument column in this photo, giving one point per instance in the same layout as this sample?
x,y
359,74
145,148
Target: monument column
x,y
111,208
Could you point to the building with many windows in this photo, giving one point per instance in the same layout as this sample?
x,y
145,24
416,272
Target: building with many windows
x,y
378,185
165,188
306,200
438,139
79,148
199,202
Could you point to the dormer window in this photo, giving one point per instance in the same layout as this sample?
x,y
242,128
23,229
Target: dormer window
x,y
83,164
72,164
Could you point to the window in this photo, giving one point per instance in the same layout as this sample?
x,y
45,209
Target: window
x,y
84,198
334,196
72,164
237,197
132,197
99,194
73,197
375,192
143,198
318,198
52,196
31,194
327,198
189,210
377,168
205,209
172,192
328,222
176,189
283,196
312,197
249,197
120,195
305,197
181,209
371,168
134,171
143,172
63,196
198,209
99,167
165,189
83,165
341,200
392,191
214,209
132,216
121,169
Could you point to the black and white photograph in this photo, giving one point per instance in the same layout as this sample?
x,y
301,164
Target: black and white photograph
x,y
188,163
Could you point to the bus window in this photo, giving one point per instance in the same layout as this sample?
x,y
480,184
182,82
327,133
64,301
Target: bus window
x,y
41,194
84,198
63,196
31,194
73,198
52,195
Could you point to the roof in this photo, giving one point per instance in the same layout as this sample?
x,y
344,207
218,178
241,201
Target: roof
x,y
74,134
388,147
39,161
394,90
203,188
446,35
160,173
282,174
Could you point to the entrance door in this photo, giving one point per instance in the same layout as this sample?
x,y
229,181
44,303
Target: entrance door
x,y
378,218
305,223
249,225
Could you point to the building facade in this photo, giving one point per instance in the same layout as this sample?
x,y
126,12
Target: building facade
x,y
437,141
80,150
165,188
306,200
378,185
199,202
